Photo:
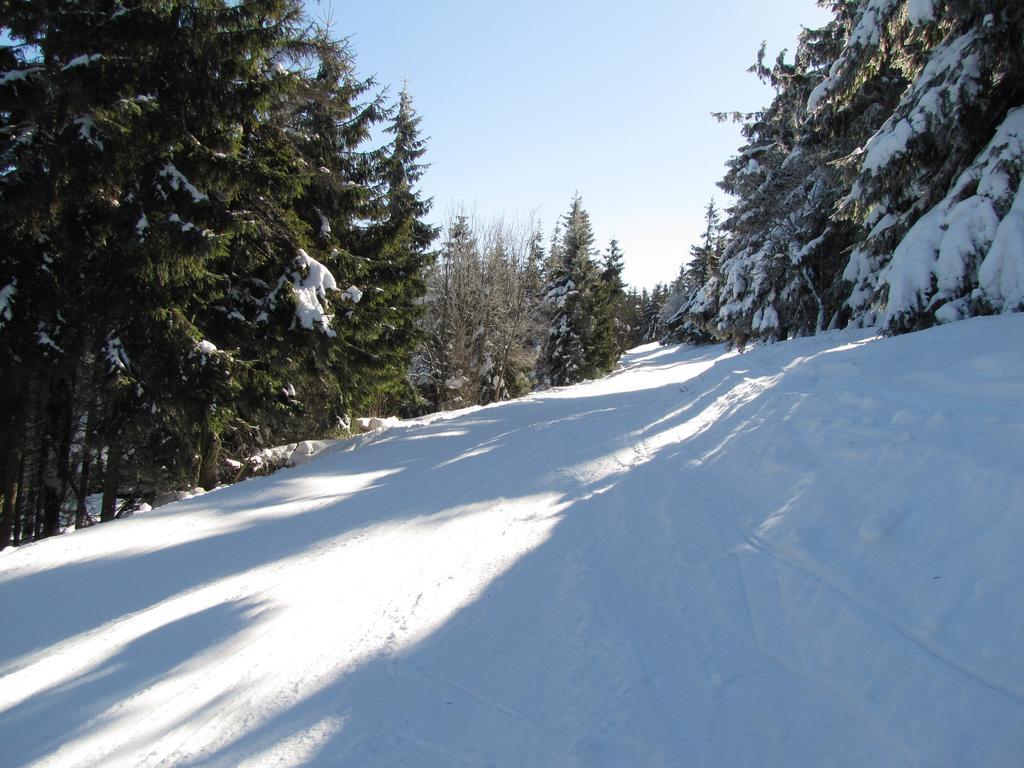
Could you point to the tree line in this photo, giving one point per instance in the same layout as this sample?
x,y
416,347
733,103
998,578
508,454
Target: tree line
x,y
505,315
881,185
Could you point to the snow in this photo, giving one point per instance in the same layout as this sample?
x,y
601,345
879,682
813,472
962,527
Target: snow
x,y
311,285
765,319
117,357
962,236
87,130
352,294
291,455
82,61
1001,275
887,144
206,349
920,11
325,225
807,554
44,339
179,181
866,35
186,226
910,272
18,75
171,496
7,294
372,423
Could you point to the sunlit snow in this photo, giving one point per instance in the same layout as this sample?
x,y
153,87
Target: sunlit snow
x,y
806,554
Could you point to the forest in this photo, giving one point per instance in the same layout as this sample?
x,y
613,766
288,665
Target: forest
x,y
206,254
208,249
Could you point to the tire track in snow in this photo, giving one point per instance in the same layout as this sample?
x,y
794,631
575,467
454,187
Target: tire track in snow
x,y
918,639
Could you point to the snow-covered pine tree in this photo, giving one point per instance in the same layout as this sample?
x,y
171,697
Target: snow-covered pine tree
x,y
780,271
688,312
938,184
633,316
652,328
534,280
287,312
569,298
776,274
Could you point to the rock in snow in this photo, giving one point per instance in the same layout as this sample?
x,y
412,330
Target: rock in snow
x,y
808,554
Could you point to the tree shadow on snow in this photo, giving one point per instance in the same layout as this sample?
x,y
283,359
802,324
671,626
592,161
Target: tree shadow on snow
x,y
440,701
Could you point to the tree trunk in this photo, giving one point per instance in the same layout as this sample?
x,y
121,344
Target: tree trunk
x,y
59,429
51,507
14,441
81,512
90,445
19,506
111,479
210,465
42,465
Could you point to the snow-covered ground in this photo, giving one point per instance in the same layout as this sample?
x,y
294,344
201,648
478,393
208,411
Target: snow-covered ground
x,y
811,554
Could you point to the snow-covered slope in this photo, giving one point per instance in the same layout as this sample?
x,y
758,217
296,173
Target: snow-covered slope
x,y
806,555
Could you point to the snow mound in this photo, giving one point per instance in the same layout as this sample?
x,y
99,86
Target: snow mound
x,y
291,455
807,554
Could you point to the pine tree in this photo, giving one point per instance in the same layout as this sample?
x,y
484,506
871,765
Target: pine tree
x,y
569,297
125,201
651,323
704,258
398,253
688,312
608,307
937,185
633,312
182,189
781,247
533,293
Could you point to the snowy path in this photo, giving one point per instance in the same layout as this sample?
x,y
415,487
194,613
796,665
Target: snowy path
x,y
806,555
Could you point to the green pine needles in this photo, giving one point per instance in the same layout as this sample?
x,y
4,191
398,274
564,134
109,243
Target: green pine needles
x,y
203,254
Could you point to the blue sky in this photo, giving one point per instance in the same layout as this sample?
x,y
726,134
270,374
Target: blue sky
x,y
527,102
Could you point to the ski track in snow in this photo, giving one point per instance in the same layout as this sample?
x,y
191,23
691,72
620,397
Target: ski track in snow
x,y
804,555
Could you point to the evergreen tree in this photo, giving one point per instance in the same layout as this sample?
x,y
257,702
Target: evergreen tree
x,y
610,329
779,274
651,322
184,193
398,252
704,258
780,264
533,292
687,313
570,299
122,144
937,186
633,310
881,185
